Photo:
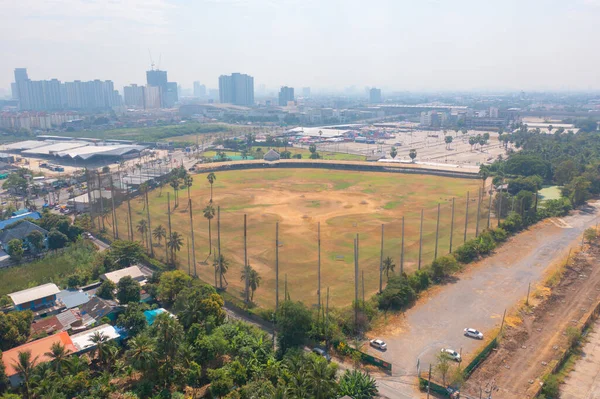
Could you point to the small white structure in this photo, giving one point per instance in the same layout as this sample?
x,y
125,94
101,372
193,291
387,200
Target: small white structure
x,y
83,341
132,271
271,156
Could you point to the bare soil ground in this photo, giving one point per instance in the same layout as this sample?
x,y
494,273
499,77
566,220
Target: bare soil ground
x,y
538,334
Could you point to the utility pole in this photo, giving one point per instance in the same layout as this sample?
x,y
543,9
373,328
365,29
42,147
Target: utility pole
x,y
499,215
479,195
327,321
246,268
169,216
363,289
188,253
101,200
319,263
149,226
114,211
381,263
402,249
276,266
193,242
129,213
429,381
502,324
528,290
437,231
219,259
421,239
466,218
489,210
356,282
452,226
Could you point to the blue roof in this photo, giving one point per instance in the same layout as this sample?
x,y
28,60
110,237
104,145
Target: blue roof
x,y
20,212
32,215
151,315
72,298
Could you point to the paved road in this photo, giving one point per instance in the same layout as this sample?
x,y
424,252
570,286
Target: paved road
x,y
583,382
477,299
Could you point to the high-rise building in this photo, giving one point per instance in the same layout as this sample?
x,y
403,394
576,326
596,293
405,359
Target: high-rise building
x,y
236,89
494,112
286,94
49,95
167,90
306,92
375,96
152,97
134,96
199,90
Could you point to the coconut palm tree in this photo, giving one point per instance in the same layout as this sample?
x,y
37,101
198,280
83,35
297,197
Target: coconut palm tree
x,y
175,183
142,228
159,233
211,179
100,341
209,213
24,366
59,355
187,181
175,244
357,384
321,378
221,266
253,279
388,266
142,353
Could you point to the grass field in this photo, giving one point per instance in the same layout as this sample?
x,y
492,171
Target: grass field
x,y
53,268
345,203
327,155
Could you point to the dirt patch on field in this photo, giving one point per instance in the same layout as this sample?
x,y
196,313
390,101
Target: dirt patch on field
x,y
538,335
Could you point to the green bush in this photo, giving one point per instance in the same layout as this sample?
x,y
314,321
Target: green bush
x,y
551,386
443,267
467,252
419,280
397,294
513,223
485,243
499,234
557,207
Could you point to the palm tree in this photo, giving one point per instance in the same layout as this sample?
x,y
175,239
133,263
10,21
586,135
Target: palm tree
x,y
388,266
221,266
58,353
159,233
175,184
211,179
24,366
142,353
187,181
142,228
357,384
321,378
253,279
100,341
175,244
209,213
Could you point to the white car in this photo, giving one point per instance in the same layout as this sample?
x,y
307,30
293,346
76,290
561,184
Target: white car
x,y
452,354
473,333
379,344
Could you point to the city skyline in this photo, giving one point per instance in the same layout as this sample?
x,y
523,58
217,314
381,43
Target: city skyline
x,y
395,46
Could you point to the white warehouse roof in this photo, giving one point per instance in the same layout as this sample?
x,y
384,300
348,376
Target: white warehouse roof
x,y
101,150
55,147
318,132
31,294
26,145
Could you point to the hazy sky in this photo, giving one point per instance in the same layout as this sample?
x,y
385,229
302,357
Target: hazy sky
x,y
394,44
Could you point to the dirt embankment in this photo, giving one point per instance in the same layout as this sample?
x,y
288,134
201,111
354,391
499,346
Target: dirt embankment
x,y
538,334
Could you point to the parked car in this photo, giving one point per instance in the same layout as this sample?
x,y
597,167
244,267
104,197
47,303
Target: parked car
x,y
322,352
452,354
379,344
473,333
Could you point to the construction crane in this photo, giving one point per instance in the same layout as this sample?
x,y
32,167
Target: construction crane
x,y
151,60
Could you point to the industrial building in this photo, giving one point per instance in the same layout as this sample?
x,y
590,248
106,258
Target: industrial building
x,y
75,151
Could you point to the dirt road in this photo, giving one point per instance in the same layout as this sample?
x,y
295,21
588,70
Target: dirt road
x,y
582,381
527,350
477,299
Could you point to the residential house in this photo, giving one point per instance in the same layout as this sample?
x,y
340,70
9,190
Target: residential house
x,y
97,308
271,156
83,340
38,350
20,231
36,298
13,219
133,271
72,298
